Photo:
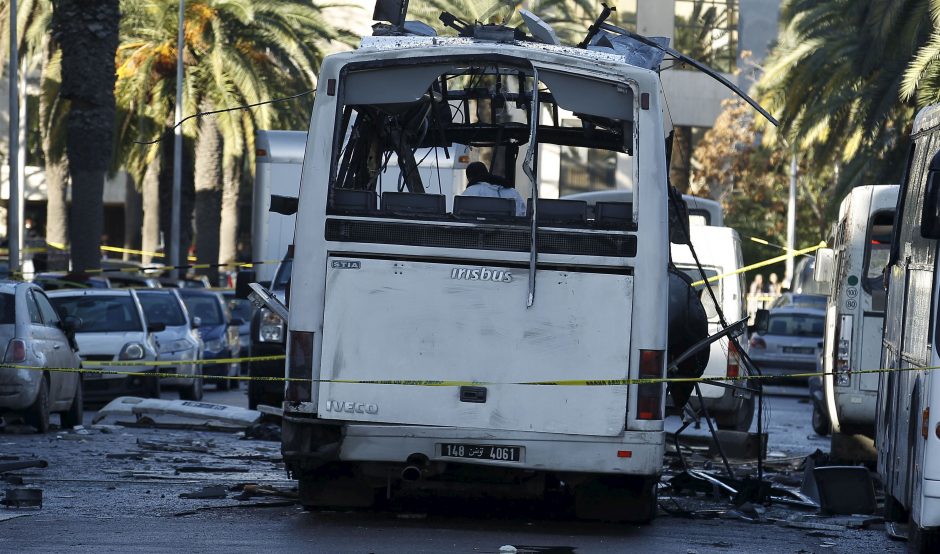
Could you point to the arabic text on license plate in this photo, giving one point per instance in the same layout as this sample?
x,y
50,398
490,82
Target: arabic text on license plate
x,y
482,452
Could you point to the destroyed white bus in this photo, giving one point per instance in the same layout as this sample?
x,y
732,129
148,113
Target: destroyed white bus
x,y
470,350
908,411
852,271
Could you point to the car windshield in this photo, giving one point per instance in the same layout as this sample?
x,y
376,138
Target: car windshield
x,y
162,308
100,314
206,308
796,325
7,308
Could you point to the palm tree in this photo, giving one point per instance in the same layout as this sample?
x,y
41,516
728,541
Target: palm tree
x,y
834,80
88,35
237,52
922,78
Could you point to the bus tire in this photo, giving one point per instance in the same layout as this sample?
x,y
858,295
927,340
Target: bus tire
x,y
923,541
617,498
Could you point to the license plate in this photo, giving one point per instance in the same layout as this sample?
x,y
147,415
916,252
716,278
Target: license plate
x,y
798,350
482,452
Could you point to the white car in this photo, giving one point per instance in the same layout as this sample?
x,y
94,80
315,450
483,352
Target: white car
x,y
112,327
36,337
178,342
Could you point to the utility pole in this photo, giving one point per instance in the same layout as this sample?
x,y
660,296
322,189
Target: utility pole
x,y
175,258
791,223
14,214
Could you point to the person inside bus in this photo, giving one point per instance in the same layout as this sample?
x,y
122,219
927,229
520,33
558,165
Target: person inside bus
x,y
480,182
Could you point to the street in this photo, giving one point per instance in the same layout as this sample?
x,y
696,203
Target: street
x,y
118,489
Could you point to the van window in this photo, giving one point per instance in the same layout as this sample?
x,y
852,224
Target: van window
x,y
696,276
878,249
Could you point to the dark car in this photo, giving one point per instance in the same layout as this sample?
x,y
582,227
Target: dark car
x,y
244,310
219,332
268,338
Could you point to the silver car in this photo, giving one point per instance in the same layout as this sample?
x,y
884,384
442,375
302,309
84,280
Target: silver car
x,y
178,342
35,336
112,328
791,342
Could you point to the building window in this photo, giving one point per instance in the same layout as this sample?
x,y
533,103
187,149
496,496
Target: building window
x,y
707,30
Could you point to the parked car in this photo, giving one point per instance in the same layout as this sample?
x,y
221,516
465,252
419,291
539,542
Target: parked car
x,y
244,310
179,341
56,281
112,328
791,342
187,282
35,336
125,274
219,333
794,299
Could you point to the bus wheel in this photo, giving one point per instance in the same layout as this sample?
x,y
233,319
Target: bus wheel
x,y
617,498
923,541
334,486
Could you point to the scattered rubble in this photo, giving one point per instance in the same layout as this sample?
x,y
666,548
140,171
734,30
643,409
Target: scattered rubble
x,y
213,492
23,498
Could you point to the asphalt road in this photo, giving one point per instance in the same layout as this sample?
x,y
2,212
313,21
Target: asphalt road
x,y
118,490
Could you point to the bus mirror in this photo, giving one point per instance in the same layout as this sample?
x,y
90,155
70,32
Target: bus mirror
x,y
825,265
930,216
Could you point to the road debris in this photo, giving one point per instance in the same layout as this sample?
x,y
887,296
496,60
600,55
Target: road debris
x,y
212,492
252,490
23,498
22,464
193,445
212,469
845,490
206,412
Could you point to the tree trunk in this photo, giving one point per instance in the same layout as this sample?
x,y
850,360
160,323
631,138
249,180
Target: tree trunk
x,y
150,231
132,217
186,199
56,168
87,31
228,230
208,187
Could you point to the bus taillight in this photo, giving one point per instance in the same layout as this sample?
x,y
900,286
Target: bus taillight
x,y
649,401
734,369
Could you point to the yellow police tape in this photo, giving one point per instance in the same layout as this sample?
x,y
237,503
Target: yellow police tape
x,y
757,265
431,382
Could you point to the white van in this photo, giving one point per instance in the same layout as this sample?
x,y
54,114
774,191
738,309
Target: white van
x,y
908,411
852,274
469,350
719,251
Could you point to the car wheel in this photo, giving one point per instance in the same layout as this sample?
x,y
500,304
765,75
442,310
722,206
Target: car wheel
x,y
254,395
193,391
76,412
235,372
152,388
38,413
820,422
740,419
